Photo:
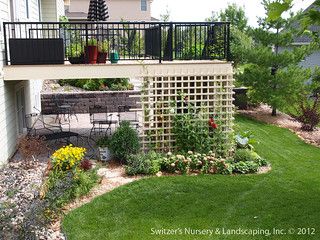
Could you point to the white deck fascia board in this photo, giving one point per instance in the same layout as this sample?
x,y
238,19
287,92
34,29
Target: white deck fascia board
x,y
120,70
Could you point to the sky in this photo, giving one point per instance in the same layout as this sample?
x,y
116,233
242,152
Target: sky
x,y
198,10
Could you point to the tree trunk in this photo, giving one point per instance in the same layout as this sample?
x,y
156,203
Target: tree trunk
x,y
274,112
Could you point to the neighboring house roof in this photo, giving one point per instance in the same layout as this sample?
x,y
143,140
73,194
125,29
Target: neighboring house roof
x,y
76,15
153,19
303,39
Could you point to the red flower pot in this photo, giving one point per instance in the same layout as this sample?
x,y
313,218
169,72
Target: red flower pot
x,y
102,57
91,53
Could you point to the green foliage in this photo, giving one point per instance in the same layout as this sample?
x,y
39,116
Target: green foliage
x,y
112,84
104,46
192,132
141,163
240,41
74,50
277,8
235,15
245,139
124,142
312,18
91,85
63,187
196,162
245,167
103,142
276,90
306,106
165,17
92,42
246,155
273,76
240,44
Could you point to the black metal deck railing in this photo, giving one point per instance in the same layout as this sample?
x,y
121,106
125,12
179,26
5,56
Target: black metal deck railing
x,y
59,42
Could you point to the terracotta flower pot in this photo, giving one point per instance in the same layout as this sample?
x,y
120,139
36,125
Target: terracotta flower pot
x,y
91,54
102,57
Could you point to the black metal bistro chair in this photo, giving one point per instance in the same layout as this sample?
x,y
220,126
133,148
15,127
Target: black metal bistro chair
x,y
101,120
36,126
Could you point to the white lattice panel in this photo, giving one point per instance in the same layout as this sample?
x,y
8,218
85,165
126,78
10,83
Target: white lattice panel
x,y
212,91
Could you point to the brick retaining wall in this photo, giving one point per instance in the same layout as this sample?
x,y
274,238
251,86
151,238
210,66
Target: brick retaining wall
x,y
82,100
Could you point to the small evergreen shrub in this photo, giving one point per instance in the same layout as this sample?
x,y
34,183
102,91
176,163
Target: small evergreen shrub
x,y
124,142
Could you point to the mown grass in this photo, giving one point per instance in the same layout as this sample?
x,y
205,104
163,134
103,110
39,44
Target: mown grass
x,y
286,198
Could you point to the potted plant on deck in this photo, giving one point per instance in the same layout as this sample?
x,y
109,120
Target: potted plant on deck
x,y
114,56
75,53
91,51
104,151
103,51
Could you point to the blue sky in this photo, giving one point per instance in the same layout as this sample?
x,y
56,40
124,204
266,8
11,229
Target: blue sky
x,y
198,10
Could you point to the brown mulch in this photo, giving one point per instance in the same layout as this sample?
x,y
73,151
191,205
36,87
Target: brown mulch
x,y
263,113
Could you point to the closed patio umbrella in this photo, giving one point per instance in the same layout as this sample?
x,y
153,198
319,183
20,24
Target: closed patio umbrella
x,y
98,11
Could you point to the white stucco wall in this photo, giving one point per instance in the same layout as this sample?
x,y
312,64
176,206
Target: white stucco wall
x,y
128,10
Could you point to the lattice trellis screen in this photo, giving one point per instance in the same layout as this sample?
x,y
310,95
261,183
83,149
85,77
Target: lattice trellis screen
x,y
161,94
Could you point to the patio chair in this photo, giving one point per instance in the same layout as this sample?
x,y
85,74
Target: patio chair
x,y
67,110
37,126
126,113
101,120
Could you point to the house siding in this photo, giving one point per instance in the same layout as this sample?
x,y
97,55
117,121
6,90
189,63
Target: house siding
x,y
127,10
312,60
7,120
48,10
8,116
60,9
51,10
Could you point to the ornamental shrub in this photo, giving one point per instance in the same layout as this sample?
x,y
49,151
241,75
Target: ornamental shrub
x,y
245,155
192,132
245,167
141,163
85,165
195,162
67,158
124,142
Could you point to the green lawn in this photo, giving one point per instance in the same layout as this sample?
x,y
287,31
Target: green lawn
x,y
287,197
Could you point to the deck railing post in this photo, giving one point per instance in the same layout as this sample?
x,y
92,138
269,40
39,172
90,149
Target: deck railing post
x,y
160,42
170,33
87,34
5,43
227,42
